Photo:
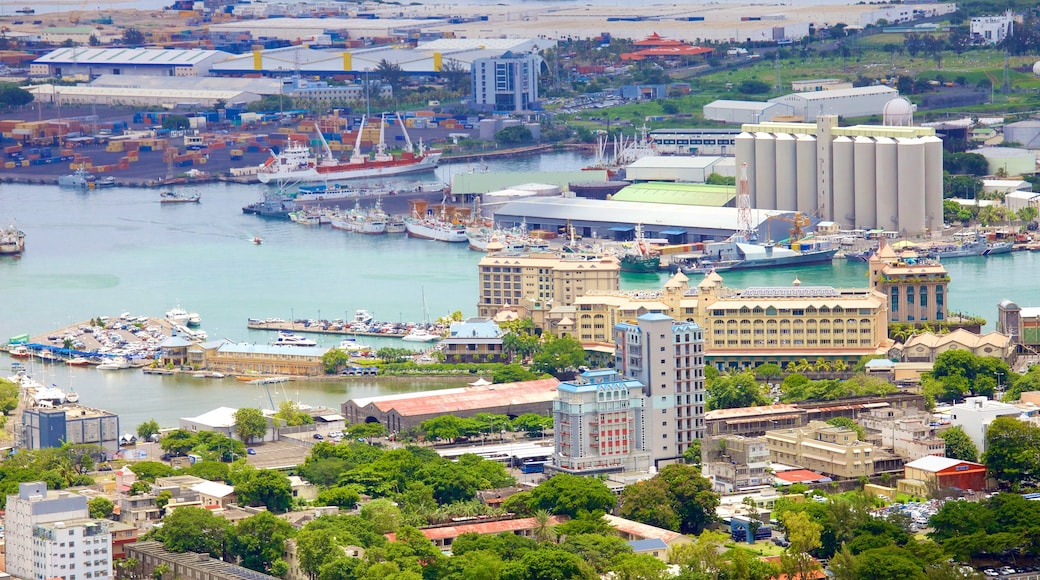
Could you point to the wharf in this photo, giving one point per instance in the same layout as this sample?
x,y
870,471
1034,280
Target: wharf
x,y
327,327
135,338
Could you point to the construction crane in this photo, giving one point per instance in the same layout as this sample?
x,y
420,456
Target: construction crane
x,y
798,222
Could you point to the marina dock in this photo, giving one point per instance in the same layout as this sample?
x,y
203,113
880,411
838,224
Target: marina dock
x,y
373,328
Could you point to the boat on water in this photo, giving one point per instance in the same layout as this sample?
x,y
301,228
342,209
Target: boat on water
x,y
638,256
178,315
623,152
297,163
12,241
371,221
418,334
396,225
966,245
425,225
78,361
174,197
305,217
80,179
20,351
277,204
286,338
117,363
335,192
738,253
72,396
257,241
26,10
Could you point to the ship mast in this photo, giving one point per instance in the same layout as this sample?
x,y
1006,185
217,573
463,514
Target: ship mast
x,y
356,156
407,139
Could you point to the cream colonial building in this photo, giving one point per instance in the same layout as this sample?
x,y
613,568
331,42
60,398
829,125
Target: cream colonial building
x,y
741,327
834,451
915,287
533,284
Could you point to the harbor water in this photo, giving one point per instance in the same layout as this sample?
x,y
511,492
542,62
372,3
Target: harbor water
x,y
118,250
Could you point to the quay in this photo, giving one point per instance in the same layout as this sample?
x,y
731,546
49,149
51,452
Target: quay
x,y
135,338
393,329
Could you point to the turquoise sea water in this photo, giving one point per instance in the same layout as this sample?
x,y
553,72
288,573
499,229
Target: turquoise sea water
x,y
111,251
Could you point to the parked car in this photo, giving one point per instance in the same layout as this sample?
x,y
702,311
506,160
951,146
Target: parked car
x,y
251,451
319,436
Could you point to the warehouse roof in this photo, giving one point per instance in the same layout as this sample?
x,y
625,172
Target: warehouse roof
x,y
270,349
173,95
477,182
697,194
749,105
456,400
304,24
500,44
839,93
134,56
609,211
935,464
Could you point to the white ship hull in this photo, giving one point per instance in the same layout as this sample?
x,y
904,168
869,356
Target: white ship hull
x,y
360,226
438,231
312,174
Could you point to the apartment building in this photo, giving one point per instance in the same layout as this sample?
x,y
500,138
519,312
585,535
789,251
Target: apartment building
x,y
824,448
50,535
735,463
667,357
599,424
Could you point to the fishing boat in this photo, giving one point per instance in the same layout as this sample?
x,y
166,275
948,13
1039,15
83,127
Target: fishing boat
x,y
12,241
429,227
637,256
297,163
174,197
395,225
335,192
357,220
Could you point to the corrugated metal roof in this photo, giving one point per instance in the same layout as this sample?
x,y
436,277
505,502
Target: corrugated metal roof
x,y
134,56
125,92
698,194
247,348
477,182
472,398
742,105
723,219
935,464
839,93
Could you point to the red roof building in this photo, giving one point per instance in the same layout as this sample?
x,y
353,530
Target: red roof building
x,y
656,46
934,472
404,411
799,476
443,536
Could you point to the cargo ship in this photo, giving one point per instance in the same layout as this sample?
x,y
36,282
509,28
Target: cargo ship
x,y
297,163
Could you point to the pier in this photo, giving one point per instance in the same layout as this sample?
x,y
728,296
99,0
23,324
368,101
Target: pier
x,y
393,329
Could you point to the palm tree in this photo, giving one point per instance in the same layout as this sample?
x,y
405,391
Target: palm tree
x,y
544,531
160,571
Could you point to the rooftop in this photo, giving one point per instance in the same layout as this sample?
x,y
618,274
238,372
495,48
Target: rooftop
x,y
130,56
641,531
465,399
219,417
935,464
697,194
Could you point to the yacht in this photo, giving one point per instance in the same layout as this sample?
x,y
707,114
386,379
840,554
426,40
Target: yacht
x,y
290,339
178,315
114,364
417,334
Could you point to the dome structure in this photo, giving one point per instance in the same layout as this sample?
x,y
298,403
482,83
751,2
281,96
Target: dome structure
x,y
898,112
1036,68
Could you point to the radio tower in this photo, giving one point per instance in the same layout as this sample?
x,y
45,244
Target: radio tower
x,y
744,206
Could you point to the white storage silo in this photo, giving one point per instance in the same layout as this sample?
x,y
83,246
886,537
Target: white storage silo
x,y
744,152
911,185
886,173
765,171
805,147
933,183
844,181
866,182
786,172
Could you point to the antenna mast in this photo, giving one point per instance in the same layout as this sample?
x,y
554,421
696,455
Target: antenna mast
x,y
744,205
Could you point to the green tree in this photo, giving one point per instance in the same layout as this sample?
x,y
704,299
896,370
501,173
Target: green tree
x,y
175,123
211,470
391,73
804,535
258,541
959,445
383,514
268,488
344,497
100,507
650,502
315,548
753,87
548,564
149,470
133,37
596,550
250,423
193,529
735,391
515,135
389,354
290,412
532,423
177,442
512,373
1011,450
334,360
570,495
520,338
12,96
444,428
146,430
558,355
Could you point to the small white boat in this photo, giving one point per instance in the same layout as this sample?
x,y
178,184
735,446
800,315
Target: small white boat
x,y
78,361
72,396
420,335
114,364
290,339
20,351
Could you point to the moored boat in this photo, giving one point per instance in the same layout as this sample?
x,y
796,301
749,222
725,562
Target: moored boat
x,y
80,179
297,163
289,339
